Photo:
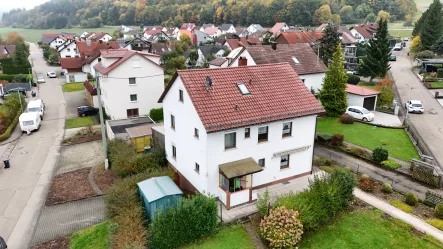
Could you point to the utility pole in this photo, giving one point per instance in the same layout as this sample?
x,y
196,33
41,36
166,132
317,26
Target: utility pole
x,y
102,122
30,85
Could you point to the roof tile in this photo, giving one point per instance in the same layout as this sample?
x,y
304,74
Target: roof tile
x,y
359,90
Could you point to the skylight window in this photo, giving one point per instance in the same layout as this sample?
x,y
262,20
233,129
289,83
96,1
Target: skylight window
x,y
243,89
295,60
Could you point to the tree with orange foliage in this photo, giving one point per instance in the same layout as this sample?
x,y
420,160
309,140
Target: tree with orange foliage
x,y
386,93
14,39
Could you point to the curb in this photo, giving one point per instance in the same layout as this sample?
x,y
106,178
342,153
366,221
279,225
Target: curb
x,y
92,182
65,202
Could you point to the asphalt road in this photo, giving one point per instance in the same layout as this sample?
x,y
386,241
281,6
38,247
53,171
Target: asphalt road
x,y
24,186
430,124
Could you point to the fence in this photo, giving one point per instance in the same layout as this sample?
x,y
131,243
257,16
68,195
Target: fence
x,y
432,198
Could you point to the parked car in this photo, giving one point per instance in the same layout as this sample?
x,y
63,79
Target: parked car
x,y
86,110
354,72
414,106
29,121
3,243
360,113
15,90
40,79
52,75
392,58
398,47
36,106
406,39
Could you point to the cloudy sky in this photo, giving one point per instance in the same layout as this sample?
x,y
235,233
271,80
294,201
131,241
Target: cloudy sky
x,y
6,5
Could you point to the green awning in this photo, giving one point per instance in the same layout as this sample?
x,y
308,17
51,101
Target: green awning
x,y
240,168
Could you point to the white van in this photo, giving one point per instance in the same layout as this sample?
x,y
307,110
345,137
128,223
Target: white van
x,y
37,106
29,121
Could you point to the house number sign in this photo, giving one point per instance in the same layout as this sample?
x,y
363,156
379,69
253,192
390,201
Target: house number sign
x,y
287,152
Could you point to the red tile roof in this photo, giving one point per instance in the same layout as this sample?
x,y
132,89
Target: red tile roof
x,y
362,32
86,50
187,26
71,63
50,35
301,36
370,27
211,30
233,43
308,62
153,31
277,93
123,55
100,35
90,88
277,27
218,61
359,90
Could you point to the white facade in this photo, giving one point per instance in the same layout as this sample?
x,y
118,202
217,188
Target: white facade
x,y
358,37
69,51
84,34
208,150
105,38
231,30
117,91
56,42
124,28
76,77
358,100
254,28
89,68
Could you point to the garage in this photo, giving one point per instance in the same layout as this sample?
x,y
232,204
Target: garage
x,y
361,96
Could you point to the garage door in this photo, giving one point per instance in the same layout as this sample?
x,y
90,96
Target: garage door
x,y
369,103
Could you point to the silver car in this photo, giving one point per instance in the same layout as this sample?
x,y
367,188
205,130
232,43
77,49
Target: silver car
x,y
40,79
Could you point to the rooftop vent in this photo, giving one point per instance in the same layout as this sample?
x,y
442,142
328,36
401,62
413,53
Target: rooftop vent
x,y
243,89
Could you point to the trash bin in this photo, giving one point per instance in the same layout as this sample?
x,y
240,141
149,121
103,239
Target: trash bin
x,y
6,162
147,150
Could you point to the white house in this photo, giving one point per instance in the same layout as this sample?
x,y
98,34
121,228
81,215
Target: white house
x,y
204,51
104,37
361,96
58,41
300,56
206,25
84,34
228,29
279,27
254,28
124,28
212,32
130,82
68,49
360,34
73,69
231,131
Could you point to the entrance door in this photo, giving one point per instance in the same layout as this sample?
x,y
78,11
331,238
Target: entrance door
x,y
369,103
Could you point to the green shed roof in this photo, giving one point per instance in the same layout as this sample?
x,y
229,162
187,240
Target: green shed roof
x,y
158,187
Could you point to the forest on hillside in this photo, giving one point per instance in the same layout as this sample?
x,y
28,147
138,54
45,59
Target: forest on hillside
x,y
94,13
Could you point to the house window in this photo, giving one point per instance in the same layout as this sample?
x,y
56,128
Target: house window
x,y
133,97
69,50
196,132
247,132
230,140
132,112
75,50
284,162
172,122
68,56
303,80
131,81
197,167
234,184
174,152
180,95
261,162
263,134
287,129
243,89
295,60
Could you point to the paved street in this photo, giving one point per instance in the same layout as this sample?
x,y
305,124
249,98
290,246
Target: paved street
x,y
430,124
24,186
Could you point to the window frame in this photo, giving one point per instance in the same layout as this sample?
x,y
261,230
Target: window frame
x,y
287,165
174,152
196,133
130,97
267,135
290,130
247,132
172,122
197,168
180,95
235,140
132,84
262,160
132,110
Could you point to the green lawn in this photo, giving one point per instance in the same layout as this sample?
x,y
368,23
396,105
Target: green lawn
x,y
95,237
234,237
79,122
398,25
35,35
401,33
438,84
367,85
398,143
370,230
73,87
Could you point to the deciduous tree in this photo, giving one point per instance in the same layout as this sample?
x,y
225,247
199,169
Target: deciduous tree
x,y
347,14
383,15
322,15
14,39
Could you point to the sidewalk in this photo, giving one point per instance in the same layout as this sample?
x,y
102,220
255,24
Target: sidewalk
x,y
419,224
399,182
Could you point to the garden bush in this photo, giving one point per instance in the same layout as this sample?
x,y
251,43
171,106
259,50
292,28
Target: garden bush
x,y
391,164
367,185
324,137
426,54
346,119
440,73
326,196
7,77
322,162
193,218
20,78
262,203
380,154
337,139
438,210
386,188
353,79
90,77
411,199
359,152
281,228
156,114
364,176
327,169
402,206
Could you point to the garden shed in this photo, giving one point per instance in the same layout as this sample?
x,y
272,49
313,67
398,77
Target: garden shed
x,y
361,96
158,193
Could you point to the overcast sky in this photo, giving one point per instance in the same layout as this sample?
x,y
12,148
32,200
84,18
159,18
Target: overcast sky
x,y
7,5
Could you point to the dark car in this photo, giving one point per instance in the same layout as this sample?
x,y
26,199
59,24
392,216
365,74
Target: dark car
x,y
86,110
3,243
14,90
392,58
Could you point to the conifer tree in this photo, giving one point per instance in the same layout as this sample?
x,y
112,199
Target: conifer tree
x,y
432,26
329,42
333,94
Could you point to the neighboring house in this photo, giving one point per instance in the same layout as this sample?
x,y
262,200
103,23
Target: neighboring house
x,y
212,32
172,32
91,94
102,36
232,131
187,26
155,35
128,35
124,28
254,28
231,44
88,48
84,34
204,26
279,27
130,82
201,38
205,52
218,62
349,44
241,32
159,48
370,27
360,34
73,69
89,63
139,44
68,49
47,38
361,96
258,37
310,37
7,51
57,41
301,57
228,29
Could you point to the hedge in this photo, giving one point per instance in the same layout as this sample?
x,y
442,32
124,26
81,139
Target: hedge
x,y
156,114
440,73
10,129
6,61
9,69
353,79
7,77
193,218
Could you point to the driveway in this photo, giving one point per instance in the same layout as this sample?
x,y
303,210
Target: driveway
x,y
382,118
74,99
78,156
430,124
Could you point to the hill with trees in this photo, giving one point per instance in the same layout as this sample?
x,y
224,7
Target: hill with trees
x,y
94,13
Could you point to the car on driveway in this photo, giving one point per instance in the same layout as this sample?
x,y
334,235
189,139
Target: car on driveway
x,y
15,90
52,75
360,113
85,110
392,58
406,39
414,106
41,79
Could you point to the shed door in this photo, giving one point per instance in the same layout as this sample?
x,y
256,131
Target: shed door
x,y
369,103
141,142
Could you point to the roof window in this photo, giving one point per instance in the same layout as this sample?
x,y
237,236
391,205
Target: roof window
x,y
243,89
295,60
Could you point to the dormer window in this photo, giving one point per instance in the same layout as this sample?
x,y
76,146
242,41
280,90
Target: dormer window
x,y
243,89
295,60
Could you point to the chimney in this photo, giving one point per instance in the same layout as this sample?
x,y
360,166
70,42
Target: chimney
x,y
242,61
274,45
